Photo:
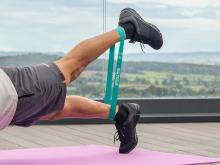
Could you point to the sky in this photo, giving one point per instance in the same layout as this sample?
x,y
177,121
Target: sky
x,y
58,25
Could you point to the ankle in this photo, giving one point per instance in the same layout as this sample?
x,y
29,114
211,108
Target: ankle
x,y
121,115
129,30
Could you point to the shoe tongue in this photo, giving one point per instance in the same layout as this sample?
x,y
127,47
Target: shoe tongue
x,y
127,108
122,114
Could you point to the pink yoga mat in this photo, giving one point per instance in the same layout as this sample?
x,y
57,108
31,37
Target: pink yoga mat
x,y
96,155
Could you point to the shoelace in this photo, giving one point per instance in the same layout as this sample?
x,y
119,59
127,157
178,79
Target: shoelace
x,y
119,135
116,137
141,44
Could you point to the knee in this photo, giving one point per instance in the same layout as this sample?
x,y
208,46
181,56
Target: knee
x,y
70,69
75,73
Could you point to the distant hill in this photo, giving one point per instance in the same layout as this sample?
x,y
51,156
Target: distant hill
x,y
16,53
211,58
206,58
132,66
27,59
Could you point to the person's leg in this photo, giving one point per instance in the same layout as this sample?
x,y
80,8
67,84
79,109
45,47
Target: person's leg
x,y
80,107
79,57
74,62
71,65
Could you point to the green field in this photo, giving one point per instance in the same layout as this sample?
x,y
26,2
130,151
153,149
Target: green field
x,y
152,84
138,79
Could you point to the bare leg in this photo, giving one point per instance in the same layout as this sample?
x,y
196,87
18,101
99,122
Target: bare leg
x,y
80,107
84,53
71,65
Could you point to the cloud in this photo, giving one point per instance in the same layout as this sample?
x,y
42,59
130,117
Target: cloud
x,y
46,25
165,9
177,3
58,25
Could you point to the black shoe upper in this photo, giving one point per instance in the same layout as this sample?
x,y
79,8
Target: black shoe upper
x,y
126,130
145,32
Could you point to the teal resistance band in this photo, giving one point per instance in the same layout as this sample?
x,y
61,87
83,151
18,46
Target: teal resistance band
x,y
111,97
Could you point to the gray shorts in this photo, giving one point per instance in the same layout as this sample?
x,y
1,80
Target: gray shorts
x,y
40,91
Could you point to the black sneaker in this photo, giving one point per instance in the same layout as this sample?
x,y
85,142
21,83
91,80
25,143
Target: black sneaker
x,y
126,130
145,32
